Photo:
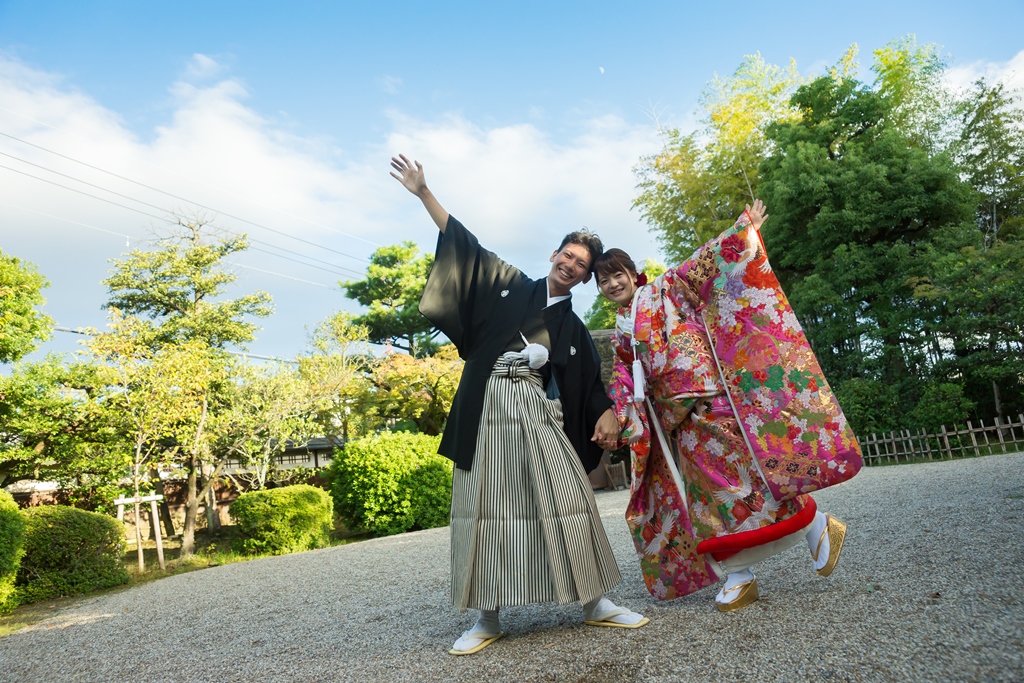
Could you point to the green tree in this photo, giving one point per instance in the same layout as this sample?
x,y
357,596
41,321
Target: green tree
x,y
163,397
853,201
270,408
416,391
175,293
990,155
978,289
22,324
57,424
696,186
909,79
337,374
392,290
177,284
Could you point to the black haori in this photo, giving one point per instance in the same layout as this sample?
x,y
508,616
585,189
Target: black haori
x,y
524,524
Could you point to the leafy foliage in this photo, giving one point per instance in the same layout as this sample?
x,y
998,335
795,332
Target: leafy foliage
x,y
175,286
419,391
284,520
55,423
166,304
22,325
268,409
694,188
392,290
943,403
12,536
69,551
897,223
392,482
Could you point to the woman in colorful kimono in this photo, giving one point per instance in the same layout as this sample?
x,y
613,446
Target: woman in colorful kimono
x,y
712,366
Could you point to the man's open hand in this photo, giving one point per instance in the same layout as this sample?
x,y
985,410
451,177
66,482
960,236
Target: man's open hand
x,y
410,174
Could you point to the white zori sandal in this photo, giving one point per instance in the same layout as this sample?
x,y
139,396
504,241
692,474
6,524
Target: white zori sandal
x,y
485,631
603,612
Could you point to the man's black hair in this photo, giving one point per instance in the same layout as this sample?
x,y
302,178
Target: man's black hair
x,y
587,239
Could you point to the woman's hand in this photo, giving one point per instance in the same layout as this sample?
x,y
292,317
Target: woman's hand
x,y
411,177
756,213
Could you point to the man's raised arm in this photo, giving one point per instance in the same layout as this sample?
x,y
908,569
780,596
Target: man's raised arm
x,y
410,174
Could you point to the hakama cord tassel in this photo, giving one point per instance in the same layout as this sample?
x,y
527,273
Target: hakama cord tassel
x,y
638,381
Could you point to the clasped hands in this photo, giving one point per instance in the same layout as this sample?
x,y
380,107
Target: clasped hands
x,y
606,431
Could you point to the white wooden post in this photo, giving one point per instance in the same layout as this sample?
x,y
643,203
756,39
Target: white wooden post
x,y
152,500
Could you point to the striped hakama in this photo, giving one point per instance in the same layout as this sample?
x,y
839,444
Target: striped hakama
x,y
524,524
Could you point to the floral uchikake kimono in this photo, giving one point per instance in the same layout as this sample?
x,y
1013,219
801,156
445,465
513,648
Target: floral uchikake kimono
x,y
738,392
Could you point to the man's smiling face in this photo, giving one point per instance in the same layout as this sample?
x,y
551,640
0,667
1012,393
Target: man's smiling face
x,y
569,267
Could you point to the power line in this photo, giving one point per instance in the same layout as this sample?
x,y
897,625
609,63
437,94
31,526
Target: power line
x,y
219,189
128,237
154,206
102,199
244,354
67,220
270,272
159,218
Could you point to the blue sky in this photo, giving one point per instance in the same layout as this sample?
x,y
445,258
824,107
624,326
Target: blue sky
x,y
286,116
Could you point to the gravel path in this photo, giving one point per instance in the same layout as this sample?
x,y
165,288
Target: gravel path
x,y
930,588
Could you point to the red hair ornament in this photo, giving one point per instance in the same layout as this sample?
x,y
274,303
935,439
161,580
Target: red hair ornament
x,y
641,279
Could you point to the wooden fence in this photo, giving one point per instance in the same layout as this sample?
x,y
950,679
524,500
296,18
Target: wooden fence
x,y
1002,436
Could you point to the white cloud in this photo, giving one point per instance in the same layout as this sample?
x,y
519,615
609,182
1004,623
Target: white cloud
x,y
518,187
202,68
390,84
1010,73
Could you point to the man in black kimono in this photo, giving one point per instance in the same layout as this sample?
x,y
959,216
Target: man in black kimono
x,y
530,418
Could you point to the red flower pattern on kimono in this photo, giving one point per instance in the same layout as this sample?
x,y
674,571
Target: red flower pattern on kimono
x,y
736,387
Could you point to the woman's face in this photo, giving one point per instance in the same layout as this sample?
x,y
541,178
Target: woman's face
x,y
617,287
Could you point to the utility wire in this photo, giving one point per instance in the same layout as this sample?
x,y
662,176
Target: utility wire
x,y
181,175
270,272
127,237
243,354
67,220
160,208
160,218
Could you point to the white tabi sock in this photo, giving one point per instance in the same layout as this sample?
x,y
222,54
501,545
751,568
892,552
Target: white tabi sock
x,y
603,609
814,533
486,627
734,579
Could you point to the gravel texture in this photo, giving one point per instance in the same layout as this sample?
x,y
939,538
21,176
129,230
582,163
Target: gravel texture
x,y
929,588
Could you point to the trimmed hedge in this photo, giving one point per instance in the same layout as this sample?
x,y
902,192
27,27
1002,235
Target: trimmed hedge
x,y
285,520
392,482
69,551
12,537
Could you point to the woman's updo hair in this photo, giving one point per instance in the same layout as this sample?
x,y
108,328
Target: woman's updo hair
x,y
614,261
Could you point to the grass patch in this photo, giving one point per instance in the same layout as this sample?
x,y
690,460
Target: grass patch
x,y
212,550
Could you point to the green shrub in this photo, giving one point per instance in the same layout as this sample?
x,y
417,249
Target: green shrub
x,y
285,520
942,403
12,537
69,551
392,482
870,406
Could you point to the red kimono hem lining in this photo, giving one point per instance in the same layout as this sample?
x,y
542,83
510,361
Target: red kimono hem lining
x,y
724,547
